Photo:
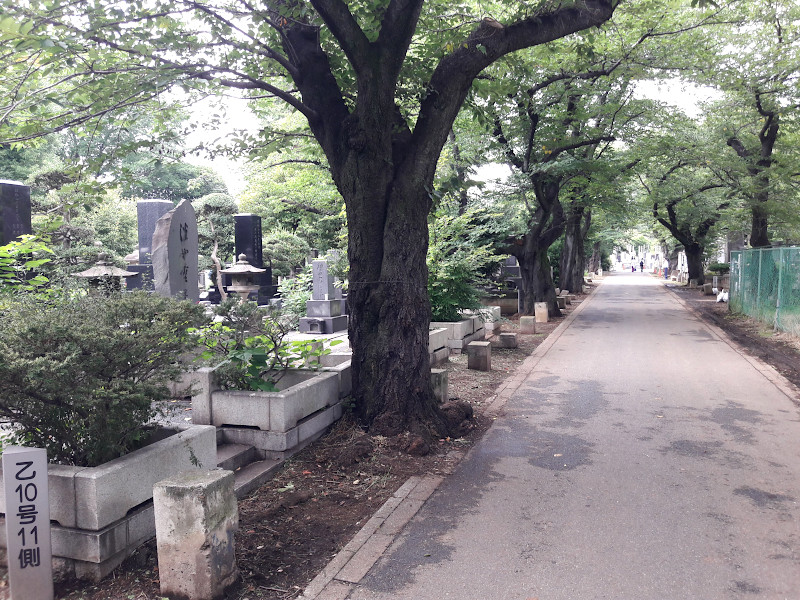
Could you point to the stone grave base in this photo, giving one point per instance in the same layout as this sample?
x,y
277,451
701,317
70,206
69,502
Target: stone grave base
x,y
277,445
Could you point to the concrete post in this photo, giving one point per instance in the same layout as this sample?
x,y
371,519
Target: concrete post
x,y
205,384
479,356
562,302
541,311
508,340
196,515
527,325
440,384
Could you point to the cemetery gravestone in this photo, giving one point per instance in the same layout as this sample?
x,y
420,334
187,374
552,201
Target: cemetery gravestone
x,y
175,258
30,567
324,310
247,241
15,211
148,212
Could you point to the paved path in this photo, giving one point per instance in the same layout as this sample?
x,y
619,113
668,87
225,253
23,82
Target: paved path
x,y
643,458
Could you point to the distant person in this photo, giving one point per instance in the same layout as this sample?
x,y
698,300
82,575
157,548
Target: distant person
x,y
641,266
633,268
666,268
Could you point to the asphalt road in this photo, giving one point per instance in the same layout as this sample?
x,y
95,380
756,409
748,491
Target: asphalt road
x,y
644,458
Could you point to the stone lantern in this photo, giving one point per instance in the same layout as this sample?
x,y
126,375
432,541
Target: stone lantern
x,y
104,278
243,276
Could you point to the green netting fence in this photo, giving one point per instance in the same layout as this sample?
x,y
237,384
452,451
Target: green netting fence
x,y
765,284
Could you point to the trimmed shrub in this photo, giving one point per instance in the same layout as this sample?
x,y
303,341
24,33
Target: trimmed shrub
x,y
80,374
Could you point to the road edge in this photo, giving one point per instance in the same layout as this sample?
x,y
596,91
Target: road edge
x,y
769,372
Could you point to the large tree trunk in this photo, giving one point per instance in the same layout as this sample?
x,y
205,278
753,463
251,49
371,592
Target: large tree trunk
x,y
537,282
694,262
595,261
759,233
573,255
390,311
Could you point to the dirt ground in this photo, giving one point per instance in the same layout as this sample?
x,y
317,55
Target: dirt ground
x,y
294,524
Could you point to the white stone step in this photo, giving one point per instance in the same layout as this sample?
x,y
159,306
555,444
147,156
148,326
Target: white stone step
x,y
253,475
233,456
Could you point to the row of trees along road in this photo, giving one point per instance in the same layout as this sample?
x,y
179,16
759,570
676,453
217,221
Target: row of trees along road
x,y
380,84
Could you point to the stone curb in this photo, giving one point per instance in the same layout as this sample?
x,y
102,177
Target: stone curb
x,y
363,551
769,372
353,562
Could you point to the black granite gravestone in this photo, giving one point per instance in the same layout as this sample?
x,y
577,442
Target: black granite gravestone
x,y
15,210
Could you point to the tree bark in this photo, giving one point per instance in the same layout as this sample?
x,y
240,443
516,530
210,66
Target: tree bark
x,y
694,262
572,265
595,261
537,282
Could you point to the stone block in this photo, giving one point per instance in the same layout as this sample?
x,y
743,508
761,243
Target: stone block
x,y
527,324
272,443
440,384
440,356
437,338
106,493
323,308
456,344
205,385
708,289
508,340
324,325
568,298
196,516
277,411
562,302
344,372
316,424
541,312
94,498
479,356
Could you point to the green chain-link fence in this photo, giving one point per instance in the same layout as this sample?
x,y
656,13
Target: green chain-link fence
x,y
765,284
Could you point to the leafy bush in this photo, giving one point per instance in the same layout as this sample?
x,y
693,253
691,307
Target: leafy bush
x,y
457,259
719,268
18,263
249,342
284,251
80,374
294,293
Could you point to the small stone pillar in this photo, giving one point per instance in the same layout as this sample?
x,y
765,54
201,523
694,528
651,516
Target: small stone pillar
x,y
527,325
440,385
196,515
708,289
562,302
508,340
541,311
479,356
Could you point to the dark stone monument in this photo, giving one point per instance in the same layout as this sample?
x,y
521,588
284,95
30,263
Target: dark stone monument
x,y
148,212
510,268
175,253
324,310
247,241
15,211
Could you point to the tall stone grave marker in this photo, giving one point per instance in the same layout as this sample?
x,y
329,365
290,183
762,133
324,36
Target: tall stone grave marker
x,y
148,212
175,248
15,210
247,241
30,556
324,310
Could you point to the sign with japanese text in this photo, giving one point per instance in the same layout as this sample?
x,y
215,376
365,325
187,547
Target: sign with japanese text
x,y
30,569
